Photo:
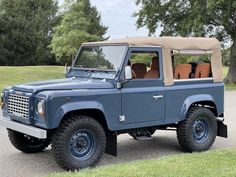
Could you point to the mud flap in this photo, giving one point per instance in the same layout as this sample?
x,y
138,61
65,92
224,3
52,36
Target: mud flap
x,y
111,143
222,129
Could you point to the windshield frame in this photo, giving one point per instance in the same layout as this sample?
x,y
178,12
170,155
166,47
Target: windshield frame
x,y
94,69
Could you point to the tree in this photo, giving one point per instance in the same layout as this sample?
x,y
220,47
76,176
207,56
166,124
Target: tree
x,y
25,31
226,56
193,18
80,23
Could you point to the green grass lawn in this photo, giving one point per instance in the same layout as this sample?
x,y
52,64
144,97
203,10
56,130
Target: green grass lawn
x,y
216,163
15,75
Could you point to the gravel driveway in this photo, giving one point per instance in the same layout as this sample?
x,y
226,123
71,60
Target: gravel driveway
x,y
16,164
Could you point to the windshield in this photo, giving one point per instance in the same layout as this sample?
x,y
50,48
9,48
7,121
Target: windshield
x,y
98,61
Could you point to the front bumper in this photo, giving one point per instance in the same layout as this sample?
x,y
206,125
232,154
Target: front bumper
x,y
26,129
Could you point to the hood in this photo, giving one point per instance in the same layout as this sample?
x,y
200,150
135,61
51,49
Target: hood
x,y
64,84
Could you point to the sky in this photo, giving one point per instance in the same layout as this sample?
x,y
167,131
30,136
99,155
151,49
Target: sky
x,y
117,15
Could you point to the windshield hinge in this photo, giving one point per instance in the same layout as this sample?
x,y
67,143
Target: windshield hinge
x,y
118,85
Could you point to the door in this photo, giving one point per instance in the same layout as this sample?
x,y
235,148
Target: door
x,y
143,97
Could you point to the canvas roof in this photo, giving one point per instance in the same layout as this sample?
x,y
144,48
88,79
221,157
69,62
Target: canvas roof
x,y
170,45
179,43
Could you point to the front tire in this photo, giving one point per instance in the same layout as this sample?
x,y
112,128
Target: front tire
x,y
78,143
198,131
26,143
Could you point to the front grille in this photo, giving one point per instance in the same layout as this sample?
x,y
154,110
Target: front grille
x,y
18,105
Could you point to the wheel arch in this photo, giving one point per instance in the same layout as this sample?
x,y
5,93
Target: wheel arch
x,y
96,114
203,100
88,108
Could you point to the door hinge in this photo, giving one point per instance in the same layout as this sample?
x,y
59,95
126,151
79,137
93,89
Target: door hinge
x,y
122,118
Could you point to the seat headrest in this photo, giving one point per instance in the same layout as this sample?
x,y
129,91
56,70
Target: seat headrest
x,y
182,71
140,69
203,70
138,66
155,64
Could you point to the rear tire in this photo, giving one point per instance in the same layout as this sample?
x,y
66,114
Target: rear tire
x,y
26,143
78,143
198,131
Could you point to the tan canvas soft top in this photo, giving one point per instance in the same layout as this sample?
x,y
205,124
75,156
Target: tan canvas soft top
x,y
167,42
170,44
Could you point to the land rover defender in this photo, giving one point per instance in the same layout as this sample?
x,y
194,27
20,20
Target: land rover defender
x,y
132,85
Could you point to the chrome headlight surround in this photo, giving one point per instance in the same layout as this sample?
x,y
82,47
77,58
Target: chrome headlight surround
x,y
2,103
41,108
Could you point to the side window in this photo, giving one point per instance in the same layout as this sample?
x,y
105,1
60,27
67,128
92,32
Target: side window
x,y
191,67
144,65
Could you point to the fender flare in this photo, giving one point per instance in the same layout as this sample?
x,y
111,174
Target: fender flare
x,y
75,106
193,99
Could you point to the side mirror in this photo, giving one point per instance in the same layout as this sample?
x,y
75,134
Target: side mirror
x,y
128,72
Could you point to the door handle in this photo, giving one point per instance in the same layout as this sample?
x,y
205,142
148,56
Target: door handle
x,y
157,97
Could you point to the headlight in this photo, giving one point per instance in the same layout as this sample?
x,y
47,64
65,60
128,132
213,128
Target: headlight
x,y
2,100
41,108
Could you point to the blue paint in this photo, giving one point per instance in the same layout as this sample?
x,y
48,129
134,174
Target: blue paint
x,y
63,84
134,100
180,97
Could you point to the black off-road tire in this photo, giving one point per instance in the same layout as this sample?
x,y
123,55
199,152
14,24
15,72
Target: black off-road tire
x,y
61,142
26,143
185,132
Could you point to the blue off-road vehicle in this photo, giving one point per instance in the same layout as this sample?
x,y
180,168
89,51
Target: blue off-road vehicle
x,y
133,85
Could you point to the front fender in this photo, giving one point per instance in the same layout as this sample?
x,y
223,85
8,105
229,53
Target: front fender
x,y
73,106
193,99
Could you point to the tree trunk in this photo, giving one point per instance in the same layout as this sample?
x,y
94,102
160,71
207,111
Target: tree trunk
x,y
231,76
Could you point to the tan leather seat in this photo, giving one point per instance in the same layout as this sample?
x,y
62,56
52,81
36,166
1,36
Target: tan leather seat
x,y
203,70
154,69
182,71
139,69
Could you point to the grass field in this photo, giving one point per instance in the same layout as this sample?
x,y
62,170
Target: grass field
x,y
216,163
15,75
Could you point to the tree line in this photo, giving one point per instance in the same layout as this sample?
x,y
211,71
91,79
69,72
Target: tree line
x,y
39,33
